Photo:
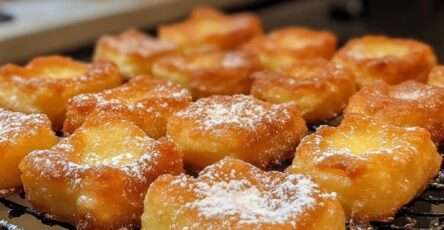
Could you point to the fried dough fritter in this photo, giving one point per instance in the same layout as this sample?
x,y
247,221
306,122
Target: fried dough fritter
x,y
232,194
408,104
392,60
319,88
282,47
46,83
375,168
132,51
210,29
239,126
20,134
209,73
97,177
436,76
146,101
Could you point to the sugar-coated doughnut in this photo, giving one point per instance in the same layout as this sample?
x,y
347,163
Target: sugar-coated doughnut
x,y
97,177
407,104
144,100
46,83
210,29
319,88
374,167
20,134
392,60
132,51
209,73
436,76
232,194
239,126
282,47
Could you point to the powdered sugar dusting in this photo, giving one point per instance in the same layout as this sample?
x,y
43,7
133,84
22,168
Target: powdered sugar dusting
x,y
240,111
58,161
266,199
239,197
15,124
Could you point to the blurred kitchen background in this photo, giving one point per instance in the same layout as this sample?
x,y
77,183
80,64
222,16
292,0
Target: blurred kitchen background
x,y
34,27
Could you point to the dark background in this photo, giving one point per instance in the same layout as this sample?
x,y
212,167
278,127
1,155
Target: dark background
x,y
418,19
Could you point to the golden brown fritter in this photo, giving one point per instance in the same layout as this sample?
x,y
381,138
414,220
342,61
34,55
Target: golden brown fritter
x,y
232,194
97,177
374,168
132,51
209,73
319,88
436,76
46,83
20,134
282,47
239,126
210,29
146,101
408,104
392,60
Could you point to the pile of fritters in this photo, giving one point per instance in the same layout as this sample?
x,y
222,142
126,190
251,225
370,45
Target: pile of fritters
x,y
187,130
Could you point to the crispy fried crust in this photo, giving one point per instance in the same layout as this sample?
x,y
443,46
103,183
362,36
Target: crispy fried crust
x,y
282,47
319,88
209,29
407,104
46,83
20,134
132,51
232,194
239,126
392,60
375,168
97,178
209,73
146,101
436,76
